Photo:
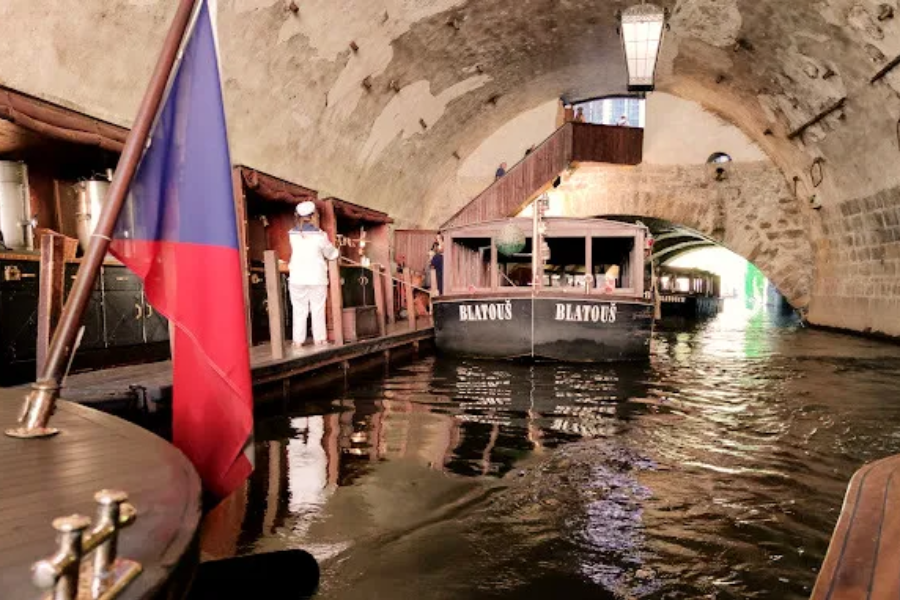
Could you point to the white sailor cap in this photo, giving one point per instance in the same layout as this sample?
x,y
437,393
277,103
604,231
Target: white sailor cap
x,y
304,209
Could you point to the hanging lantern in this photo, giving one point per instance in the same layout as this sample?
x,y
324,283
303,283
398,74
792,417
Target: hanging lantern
x,y
642,33
510,240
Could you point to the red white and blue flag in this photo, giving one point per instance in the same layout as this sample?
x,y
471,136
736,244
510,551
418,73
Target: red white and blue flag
x,y
178,232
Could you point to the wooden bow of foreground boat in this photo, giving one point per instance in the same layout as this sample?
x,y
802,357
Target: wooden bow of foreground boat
x,y
49,478
861,562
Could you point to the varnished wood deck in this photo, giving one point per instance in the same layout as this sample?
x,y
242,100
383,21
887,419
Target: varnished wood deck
x,y
862,559
117,384
48,478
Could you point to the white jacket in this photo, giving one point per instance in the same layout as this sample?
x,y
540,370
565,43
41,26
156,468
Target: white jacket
x,y
309,251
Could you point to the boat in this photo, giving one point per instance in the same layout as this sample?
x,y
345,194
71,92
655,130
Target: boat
x,y
580,298
688,293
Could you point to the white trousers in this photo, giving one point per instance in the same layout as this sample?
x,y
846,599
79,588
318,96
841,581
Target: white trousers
x,y
306,299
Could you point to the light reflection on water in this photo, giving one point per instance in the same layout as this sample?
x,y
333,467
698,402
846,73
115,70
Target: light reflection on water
x,y
716,470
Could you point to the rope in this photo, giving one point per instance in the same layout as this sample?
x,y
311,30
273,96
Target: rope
x,y
356,264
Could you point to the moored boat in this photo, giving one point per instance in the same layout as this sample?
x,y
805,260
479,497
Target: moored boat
x,y
579,298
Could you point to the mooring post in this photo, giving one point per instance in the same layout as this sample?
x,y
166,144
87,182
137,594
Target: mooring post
x,y
337,303
50,293
273,297
379,298
388,285
410,299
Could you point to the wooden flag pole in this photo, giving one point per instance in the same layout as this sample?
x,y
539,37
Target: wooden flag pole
x,y
40,402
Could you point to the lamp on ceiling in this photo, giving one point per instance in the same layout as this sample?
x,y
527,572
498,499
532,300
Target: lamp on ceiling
x,y
642,29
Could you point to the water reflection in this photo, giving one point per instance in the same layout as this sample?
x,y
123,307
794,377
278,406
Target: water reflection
x,y
716,470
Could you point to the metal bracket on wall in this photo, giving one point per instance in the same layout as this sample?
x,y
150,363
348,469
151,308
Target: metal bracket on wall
x,y
816,171
887,68
830,109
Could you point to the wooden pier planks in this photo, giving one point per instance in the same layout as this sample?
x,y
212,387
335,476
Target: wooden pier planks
x,y
115,385
43,479
861,562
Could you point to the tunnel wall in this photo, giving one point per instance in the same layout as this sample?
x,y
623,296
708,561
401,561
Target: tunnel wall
x,y
751,213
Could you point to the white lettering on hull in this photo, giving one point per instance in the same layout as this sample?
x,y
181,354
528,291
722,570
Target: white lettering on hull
x,y
498,311
586,313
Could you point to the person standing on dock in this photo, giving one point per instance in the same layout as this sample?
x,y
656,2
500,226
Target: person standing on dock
x,y
308,280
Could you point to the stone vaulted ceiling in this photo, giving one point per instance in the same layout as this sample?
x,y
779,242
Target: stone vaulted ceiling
x,y
373,100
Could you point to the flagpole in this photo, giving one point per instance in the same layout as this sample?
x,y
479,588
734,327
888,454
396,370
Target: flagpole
x,y
40,402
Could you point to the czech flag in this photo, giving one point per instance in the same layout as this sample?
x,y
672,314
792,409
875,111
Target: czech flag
x,y
178,232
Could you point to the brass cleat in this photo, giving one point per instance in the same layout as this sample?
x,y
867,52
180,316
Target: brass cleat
x,y
72,578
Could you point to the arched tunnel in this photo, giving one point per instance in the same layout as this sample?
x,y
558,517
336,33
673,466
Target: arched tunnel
x,y
382,101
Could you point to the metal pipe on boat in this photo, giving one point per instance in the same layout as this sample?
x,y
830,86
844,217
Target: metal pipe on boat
x,y
16,224
41,401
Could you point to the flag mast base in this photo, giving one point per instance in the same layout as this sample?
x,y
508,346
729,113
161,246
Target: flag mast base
x,y
36,412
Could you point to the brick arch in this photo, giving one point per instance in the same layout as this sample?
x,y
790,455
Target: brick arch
x,y
752,213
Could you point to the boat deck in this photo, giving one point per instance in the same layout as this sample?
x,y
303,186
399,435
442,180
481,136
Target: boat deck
x,y
47,478
153,381
861,563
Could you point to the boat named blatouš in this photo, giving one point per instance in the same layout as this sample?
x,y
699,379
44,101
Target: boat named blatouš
x,y
579,298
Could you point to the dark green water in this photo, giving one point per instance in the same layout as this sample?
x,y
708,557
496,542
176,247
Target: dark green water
x,y
715,470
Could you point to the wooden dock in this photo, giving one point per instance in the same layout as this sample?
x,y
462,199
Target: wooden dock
x,y
153,381
43,479
861,562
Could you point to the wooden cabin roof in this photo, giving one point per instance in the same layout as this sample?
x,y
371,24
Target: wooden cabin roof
x,y
556,227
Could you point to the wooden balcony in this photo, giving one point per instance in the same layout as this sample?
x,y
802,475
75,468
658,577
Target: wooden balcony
x,y
571,143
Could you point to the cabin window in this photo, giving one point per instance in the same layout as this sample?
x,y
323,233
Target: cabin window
x,y
566,266
471,263
611,261
515,269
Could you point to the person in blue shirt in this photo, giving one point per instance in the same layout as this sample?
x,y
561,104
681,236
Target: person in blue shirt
x,y
501,171
437,263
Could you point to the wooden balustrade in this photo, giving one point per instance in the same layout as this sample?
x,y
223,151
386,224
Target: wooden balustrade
x,y
534,174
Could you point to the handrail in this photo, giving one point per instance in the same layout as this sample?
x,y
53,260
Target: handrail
x,y
356,264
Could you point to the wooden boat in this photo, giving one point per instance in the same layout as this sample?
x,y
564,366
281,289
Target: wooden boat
x,y
689,293
588,304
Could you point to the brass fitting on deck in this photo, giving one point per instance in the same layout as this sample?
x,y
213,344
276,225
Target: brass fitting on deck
x,y
65,570
36,411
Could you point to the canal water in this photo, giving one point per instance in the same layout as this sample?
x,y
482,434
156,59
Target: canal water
x,y
715,470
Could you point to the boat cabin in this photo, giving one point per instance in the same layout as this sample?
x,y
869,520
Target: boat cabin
x,y
585,256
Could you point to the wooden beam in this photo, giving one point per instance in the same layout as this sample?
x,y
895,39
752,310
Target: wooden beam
x,y
378,283
276,312
337,308
50,294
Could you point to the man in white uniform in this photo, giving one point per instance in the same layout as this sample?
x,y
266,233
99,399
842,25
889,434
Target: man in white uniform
x,y
308,281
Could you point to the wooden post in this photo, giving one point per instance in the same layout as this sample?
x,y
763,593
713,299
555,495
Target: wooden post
x,y
495,267
240,209
337,308
50,294
388,287
273,296
379,298
410,299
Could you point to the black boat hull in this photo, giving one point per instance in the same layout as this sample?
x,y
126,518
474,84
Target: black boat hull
x,y
570,329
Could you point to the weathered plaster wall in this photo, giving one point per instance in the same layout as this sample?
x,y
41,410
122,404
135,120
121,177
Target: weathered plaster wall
x,y
682,132
298,107
752,213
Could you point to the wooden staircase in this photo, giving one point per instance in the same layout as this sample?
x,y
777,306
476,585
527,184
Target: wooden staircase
x,y
570,144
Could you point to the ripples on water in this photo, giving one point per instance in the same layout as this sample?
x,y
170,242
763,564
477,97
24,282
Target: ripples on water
x,y
716,470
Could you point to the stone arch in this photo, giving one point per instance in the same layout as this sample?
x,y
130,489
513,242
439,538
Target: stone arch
x,y
752,213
